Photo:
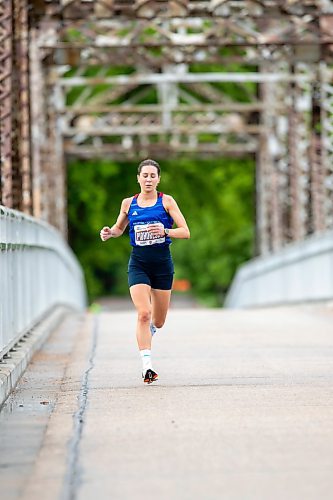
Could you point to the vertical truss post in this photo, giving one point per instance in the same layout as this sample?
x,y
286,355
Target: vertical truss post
x,y
299,140
317,186
263,187
47,156
61,205
327,141
262,216
269,173
38,125
22,196
279,152
46,152
53,163
168,97
6,66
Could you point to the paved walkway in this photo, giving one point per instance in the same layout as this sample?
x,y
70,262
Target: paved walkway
x,y
243,410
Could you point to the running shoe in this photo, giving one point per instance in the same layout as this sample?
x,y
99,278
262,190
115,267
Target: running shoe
x,y
153,329
150,376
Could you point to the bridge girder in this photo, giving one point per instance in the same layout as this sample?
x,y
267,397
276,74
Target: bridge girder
x,y
150,9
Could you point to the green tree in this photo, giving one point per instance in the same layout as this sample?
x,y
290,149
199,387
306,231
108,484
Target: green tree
x,y
216,197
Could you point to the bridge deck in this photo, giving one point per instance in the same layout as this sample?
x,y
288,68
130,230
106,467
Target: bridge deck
x,y
243,410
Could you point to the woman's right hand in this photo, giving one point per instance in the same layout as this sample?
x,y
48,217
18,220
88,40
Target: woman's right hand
x,y
105,233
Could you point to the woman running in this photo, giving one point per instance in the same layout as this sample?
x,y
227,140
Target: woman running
x,y
150,215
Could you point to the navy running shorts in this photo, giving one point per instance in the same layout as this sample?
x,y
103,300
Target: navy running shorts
x,y
151,265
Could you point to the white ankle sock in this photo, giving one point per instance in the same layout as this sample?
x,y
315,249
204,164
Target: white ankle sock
x,y
146,360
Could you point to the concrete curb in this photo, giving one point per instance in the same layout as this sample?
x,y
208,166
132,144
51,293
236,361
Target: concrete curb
x,y
14,364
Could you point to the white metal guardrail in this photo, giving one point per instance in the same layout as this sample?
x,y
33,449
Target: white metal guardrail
x,y
300,272
38,271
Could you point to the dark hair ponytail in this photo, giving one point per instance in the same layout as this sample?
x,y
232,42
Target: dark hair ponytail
x,y
147,162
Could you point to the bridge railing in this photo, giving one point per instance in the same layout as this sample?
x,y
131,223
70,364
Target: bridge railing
x,y
38,272
300,272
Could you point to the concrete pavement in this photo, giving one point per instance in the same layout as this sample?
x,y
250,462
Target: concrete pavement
x,y
243,410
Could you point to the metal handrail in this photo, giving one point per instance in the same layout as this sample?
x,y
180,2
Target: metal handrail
x,y
38,272
300,272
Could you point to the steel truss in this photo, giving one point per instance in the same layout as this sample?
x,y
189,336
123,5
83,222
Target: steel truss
x,y
129,79
15,189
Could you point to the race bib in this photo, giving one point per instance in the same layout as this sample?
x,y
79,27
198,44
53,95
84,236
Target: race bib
x,y
143,237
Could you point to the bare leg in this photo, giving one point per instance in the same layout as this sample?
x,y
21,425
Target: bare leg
x,y
141,299
160,306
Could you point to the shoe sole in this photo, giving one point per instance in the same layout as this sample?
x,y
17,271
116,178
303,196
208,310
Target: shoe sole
x,y
151,380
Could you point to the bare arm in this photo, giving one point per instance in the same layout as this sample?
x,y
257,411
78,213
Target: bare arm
x,y
181,231
121,223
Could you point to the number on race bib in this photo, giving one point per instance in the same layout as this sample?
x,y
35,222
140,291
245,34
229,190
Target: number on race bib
x,y
143,237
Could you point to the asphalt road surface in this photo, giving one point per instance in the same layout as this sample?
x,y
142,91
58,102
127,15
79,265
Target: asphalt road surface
x,y
243,409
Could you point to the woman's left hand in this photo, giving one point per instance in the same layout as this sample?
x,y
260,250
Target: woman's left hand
x,y
156,229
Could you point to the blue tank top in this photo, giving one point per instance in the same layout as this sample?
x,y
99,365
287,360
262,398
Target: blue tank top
x,y
140,217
